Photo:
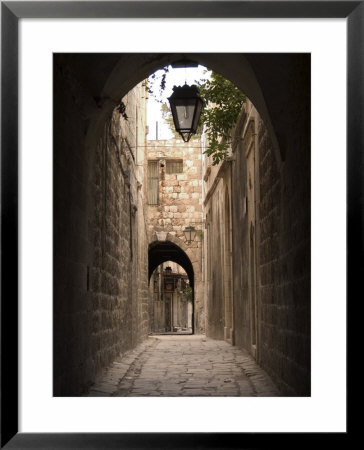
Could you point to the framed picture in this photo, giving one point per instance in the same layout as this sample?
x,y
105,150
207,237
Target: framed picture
x,y
11,181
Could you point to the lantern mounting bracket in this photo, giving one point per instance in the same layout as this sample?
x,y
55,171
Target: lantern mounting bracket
x,y
184,62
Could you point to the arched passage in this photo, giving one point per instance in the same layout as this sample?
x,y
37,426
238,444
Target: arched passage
x,y
163,251
246,71
86,270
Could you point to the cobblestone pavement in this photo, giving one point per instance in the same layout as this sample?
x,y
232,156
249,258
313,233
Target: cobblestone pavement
x,y
174,366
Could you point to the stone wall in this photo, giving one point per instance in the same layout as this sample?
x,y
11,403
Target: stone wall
x,y
100,240
286,211
240,239
283,261
270,235
72,236
218,282
120,313
180,205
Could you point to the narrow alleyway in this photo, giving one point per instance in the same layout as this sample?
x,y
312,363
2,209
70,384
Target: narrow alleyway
x,y
155,235
173,366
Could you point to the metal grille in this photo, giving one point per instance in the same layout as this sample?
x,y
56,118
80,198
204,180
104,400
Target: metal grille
x,y
174,166
153,183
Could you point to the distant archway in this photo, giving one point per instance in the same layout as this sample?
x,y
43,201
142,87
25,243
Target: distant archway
x,y
163,251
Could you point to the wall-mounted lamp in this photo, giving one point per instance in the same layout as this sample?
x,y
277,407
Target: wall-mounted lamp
x,y
189,233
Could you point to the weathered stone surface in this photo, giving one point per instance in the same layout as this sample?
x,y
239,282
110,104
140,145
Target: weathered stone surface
x,y
185,366
100,296
180,206
269,264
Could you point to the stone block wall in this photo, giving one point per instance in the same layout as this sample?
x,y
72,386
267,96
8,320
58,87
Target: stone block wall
x,y
285,268
218,290
180,206
72,236
180,194
270,235
271,313
240,240
285,244
100,240
282,244
114,305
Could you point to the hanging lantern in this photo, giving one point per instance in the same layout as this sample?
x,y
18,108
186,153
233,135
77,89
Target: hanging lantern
x,y
186,107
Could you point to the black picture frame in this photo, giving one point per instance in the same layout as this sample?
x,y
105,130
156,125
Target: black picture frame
x,y
11,12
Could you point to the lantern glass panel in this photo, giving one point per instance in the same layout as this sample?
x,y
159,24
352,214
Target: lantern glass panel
x,y
185,112
197,114
190,233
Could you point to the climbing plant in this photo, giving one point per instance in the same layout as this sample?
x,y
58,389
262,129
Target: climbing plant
x,y
187,294
222,105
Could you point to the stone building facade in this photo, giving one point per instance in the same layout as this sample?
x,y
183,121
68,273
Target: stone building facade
x,y
174,184
257,253
100,261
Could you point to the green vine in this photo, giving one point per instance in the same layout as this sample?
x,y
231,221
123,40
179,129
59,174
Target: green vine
x,y
187,294
222,105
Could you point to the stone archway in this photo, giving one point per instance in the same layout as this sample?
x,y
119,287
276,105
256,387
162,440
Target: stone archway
x,y
130,69
167,250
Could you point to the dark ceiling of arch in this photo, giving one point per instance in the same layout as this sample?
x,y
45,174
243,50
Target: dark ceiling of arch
x,y
162,251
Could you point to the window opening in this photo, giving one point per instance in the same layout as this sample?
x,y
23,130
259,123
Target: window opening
x,y
153,183
174,166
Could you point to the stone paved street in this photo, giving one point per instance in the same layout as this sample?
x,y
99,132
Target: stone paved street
x,y
194,365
